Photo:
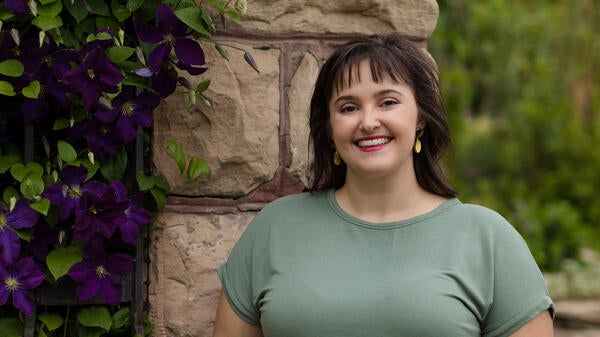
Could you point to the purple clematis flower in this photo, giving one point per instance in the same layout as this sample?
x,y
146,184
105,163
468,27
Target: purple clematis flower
x,y
100,137
97,74
98,212
99,272
66,194
21,216
16,280
129,111
171,34
135,216
17,7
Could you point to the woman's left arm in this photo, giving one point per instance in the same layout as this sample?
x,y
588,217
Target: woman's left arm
x,y
539,326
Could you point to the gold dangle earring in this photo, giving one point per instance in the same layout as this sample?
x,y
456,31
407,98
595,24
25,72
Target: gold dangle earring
x,y
418,144
337,160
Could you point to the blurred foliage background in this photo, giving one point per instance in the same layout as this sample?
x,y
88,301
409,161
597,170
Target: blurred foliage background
x,y
521,81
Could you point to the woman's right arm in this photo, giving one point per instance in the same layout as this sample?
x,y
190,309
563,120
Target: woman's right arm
x,y
229,324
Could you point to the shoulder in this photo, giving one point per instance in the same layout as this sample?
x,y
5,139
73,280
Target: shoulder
x,y
484,221
291,208
295,203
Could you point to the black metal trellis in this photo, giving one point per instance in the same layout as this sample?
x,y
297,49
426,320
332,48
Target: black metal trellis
x,y
134,285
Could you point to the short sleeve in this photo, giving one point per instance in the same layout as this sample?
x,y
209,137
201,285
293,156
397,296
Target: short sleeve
x,y
519,290
241,274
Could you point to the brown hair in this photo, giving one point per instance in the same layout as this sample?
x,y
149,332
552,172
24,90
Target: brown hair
x,y
392,55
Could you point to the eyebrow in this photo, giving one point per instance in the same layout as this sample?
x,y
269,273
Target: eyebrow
x,y
379,93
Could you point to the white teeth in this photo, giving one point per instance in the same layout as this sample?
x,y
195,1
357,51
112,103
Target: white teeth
x,y
373,142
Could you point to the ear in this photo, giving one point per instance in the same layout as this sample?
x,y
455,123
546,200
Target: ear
x,y
421,124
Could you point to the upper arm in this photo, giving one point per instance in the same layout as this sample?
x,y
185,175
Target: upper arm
x,y
229,324
539,326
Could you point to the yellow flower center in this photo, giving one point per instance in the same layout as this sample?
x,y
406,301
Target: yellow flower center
x,y
12,284
91,73
128,109
101,272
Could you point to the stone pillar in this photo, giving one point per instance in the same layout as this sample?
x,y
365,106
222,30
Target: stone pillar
x,y
254,136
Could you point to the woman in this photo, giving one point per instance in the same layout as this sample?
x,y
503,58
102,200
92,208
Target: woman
x,y
380,246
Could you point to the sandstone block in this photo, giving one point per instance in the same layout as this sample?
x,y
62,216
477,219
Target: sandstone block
x,y
185,254
237,136
301,88
415,18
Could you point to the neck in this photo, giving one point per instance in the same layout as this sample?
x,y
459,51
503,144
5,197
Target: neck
x,y
386,200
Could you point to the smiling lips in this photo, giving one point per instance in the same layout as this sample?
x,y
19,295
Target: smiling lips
x,y
372,143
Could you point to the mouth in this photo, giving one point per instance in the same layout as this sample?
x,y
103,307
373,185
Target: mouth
x,y
372,141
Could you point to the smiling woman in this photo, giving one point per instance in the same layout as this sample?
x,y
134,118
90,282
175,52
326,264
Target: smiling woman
x,y
380,246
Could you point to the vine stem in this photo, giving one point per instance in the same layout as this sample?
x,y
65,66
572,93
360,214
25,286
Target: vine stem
x,y
66,320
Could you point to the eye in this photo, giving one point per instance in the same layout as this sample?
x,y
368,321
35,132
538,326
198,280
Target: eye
x,y
348,108
389,102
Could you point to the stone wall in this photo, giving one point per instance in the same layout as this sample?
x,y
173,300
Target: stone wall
x,y
254,137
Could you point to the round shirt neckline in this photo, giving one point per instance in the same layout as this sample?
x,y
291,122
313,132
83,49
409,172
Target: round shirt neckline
x,y
387,225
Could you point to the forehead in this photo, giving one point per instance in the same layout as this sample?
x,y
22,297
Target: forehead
x,y
365,70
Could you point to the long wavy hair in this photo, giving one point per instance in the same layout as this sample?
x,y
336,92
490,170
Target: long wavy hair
x,y
398,57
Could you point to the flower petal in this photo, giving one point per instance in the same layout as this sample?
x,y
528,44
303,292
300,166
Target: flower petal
x,y
111,291
147,33
23,302
189,51
119,264
158,55
88,289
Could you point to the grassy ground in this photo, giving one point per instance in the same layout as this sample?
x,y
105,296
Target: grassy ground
x,y
577,280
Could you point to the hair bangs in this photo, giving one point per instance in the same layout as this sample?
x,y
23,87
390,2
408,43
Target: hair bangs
x,y
382,63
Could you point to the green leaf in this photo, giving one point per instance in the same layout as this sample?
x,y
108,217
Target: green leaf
x,y
116,165
159,197
136,81
196,168
133,5
176,151
41,206
77,11
61,123
119,54
144,182
121,13
24,234
11,68
96,317
99,7
85,331
47,23
61,259
32,90
121,319
162,182
32,186
51,320
192,16
7,161
8,193
233,14
66,151
10,327
6,89
20,171
51,9
202,86
91,168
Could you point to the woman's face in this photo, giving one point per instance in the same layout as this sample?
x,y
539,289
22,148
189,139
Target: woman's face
x,y
374,126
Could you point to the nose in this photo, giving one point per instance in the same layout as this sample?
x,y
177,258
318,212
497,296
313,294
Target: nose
x,y
369,120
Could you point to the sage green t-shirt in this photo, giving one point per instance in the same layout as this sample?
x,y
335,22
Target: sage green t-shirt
x,y
304,267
